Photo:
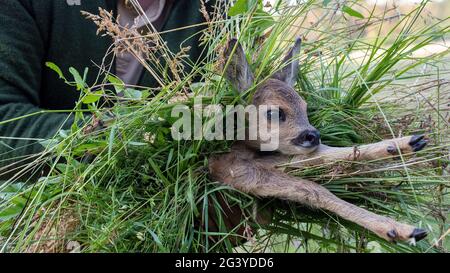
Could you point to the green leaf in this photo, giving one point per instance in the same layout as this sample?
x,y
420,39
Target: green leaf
x,y
326,2
55,68
10,212
118,84
93,97
77,77
241,6
64,133
262,21
89,147
352,12
12,190
115,80
132,94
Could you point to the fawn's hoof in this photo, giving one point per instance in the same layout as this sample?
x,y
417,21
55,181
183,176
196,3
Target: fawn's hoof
x,y
392,234
392,150
418,234
417,142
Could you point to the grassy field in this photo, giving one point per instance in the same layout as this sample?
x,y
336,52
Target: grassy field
x,y
130,187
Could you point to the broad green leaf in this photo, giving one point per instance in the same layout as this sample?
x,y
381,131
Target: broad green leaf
x,y
132,93
55,68
115,80
49,180
64,133
241,6
89,147
93,97
118,83
12,193
78,79
18,201
10,212
13,188
262,21
352,12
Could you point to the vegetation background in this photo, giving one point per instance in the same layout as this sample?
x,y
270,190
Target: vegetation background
x,y
369,71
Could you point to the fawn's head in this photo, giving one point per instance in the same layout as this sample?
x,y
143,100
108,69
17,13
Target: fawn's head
x,y
295,134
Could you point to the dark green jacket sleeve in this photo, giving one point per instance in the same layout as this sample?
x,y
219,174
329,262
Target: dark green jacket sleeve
x,y
33,32
22,55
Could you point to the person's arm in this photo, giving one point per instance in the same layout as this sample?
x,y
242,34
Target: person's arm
x,y
22,53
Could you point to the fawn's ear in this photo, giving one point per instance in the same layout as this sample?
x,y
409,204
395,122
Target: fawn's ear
x,y
288,73
238,71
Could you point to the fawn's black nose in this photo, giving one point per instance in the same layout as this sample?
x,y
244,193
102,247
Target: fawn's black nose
x,y
307,139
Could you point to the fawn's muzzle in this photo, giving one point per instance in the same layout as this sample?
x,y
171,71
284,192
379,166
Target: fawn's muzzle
x,y
307,139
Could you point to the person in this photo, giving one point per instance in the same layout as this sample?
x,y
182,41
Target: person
x,y
35,32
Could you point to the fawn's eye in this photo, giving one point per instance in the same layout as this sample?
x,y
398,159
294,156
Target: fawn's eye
x,y
276,114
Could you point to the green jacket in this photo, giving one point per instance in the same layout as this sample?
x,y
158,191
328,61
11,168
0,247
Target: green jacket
x,y
34,32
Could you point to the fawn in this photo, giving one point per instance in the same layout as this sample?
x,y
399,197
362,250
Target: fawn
x,y
247,169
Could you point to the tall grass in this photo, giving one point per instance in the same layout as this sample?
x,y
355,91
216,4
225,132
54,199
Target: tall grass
x,y
130,187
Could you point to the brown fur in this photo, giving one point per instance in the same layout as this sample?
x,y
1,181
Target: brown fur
x,y
244,168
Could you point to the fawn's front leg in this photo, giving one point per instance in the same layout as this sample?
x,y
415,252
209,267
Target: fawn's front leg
x,y
382,149
254,178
